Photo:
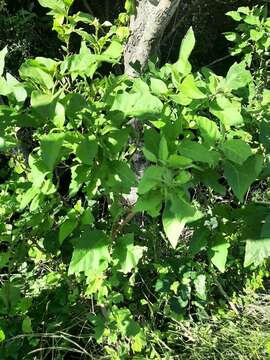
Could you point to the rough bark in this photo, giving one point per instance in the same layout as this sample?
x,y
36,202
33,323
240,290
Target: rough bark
x,y
147,27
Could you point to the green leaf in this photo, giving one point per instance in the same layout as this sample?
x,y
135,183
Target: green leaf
x,y
3,54
43,105
139,104
190,89
257,250
113,51
228,112
182,65
4,259
179,161
27,325
120,177
40,71
83,64
237,76
50,146
196,152
151,144
56,5
91,252
208,129
218,253
152,178
252,20
150,202
177,213
67,227
158,87
234,15
200,286
127,254
130,6
240,177
163,152
236,150
87,149
28,196
199,241
87,217
2,335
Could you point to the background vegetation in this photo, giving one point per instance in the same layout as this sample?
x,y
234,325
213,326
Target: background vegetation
x,y
184,273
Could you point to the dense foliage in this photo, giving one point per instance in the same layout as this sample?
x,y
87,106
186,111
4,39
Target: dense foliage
x,y
84,274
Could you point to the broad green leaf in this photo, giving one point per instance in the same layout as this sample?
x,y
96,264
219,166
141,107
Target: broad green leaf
x,y
43,105
177,213
83,17
252,20
149,156
266,97
234,15
182,65
256,35
158,87
127,254
196,152
113,51
138,104
91,251
4,259
198,241
228,112
152,178
236,150
190,89
211,179
130,6
200,286
28,196
237,76
3,54
179,161
16,89
79,175
2,335
257,250
87,149
116,139
120,177
240,177
230,36
27,325
87,217
163,152
50,146
39,71
208,129
59,116
150,202
83,64
56,5
218,254
67,227
151,144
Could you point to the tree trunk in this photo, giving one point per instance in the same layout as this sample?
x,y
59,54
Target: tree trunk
x,y
147,27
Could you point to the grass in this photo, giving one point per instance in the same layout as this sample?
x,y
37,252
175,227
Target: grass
x,y
243,338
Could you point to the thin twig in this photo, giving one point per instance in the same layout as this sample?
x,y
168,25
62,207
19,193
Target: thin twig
x,y
123,223
225,295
